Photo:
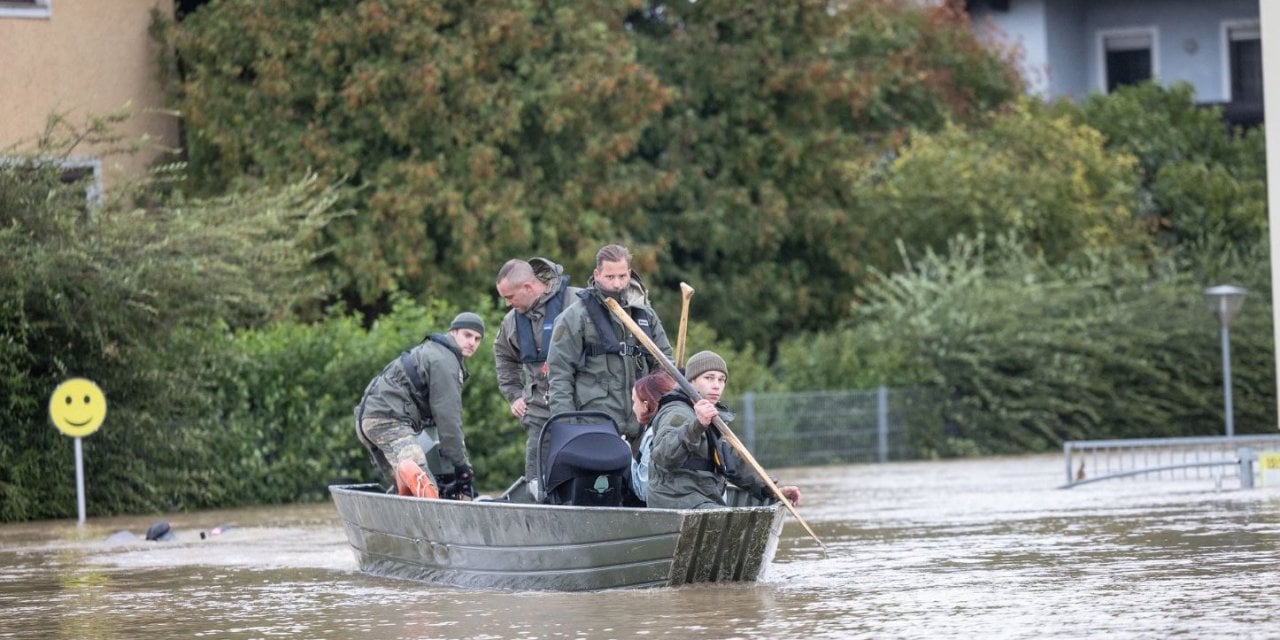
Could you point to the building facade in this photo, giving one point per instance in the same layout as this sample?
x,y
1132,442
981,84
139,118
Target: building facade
x,y
79,58
1071,48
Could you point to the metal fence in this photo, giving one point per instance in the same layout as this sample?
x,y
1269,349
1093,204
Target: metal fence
x,y
840,427
1206,457
831,427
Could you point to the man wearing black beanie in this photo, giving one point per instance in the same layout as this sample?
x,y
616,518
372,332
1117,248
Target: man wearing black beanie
x,y
421,390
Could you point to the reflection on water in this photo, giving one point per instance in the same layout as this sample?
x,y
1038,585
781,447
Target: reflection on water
x,y
917,550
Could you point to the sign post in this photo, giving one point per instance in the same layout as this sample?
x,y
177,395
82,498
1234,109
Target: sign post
x,y
1269,463
77,408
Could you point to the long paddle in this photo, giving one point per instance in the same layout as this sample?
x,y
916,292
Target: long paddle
x,y
723,428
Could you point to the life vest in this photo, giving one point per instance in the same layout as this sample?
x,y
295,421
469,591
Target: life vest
x,y
529,352
609,342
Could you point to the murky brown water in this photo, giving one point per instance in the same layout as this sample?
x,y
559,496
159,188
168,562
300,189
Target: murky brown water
x,y
979,548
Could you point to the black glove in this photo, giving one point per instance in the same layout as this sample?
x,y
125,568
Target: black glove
x,y
461,488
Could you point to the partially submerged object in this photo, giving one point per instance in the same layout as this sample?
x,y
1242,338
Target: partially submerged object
x,y
160,532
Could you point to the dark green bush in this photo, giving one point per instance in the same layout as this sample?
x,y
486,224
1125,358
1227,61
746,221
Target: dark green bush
x,y
114,291
286,419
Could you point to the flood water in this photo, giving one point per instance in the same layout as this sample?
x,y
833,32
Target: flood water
x,y
972,548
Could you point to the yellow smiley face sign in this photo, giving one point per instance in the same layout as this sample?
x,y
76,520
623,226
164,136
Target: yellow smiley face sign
x,y
77,407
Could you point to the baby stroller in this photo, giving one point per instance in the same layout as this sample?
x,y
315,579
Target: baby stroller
x,y
582,460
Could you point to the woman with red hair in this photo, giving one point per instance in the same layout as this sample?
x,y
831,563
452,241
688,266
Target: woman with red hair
x,y
645,398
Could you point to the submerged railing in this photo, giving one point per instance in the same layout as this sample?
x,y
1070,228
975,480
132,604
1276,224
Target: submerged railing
x,y
1202,457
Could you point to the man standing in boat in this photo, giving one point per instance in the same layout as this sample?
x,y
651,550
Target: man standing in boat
x,y
421,390
594,361
537,292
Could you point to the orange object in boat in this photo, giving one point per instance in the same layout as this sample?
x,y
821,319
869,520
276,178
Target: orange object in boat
x,y
411,480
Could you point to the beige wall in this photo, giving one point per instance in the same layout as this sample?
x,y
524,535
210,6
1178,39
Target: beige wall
x,y
87,57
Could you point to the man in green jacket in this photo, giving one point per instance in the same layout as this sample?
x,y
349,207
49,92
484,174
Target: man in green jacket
x,y
594,361
421,390
537,292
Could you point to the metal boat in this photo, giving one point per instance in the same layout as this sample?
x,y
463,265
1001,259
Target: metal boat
x,y
501,544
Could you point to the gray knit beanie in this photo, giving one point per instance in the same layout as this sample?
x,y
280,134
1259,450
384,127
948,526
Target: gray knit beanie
x,y
702,362
468,320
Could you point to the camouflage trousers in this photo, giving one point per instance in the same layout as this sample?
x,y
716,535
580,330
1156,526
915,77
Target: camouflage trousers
x,y
390,441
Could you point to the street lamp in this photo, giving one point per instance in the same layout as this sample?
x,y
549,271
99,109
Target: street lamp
x,y
1225,300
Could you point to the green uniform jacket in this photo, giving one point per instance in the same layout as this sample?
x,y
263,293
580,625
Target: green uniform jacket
x,y
529,380
678,437
579,382
391,395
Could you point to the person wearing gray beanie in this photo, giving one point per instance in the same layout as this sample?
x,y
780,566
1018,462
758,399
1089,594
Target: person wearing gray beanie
x,y
690,465
421,391
702,362
468,320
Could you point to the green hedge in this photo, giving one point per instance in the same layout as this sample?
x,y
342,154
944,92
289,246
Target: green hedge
x,y
286,426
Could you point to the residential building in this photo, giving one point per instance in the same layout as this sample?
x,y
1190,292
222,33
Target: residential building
x,y
80,58
1070,48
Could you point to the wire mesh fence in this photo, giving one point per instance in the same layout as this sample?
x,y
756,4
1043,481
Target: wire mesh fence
x,y
832,427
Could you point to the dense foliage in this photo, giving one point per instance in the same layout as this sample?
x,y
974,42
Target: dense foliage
x,y
111,293
855,194
777,108
1197,185
483,131
1048,180
285,395
1026,355
477,131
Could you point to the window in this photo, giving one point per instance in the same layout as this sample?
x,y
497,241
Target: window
x,y
84,171
25,8
1128,57
1243,78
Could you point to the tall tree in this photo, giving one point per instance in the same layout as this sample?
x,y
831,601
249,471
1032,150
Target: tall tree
x,y
1201,181
777,108
717,138
476,131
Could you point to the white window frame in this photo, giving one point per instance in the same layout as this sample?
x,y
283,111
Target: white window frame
x,y
1224,37
1150,32
38,10
93,189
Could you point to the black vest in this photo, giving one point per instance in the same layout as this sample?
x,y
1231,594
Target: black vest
x,y
609,342
529,352
422,394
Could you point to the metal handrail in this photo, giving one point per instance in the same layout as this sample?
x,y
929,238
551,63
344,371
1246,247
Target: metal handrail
x,y
1158,453
1130,474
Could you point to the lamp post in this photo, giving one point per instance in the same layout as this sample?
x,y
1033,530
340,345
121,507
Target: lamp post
x,y
1225,300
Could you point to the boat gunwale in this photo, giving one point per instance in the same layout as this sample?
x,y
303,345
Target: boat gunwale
x,y
355,489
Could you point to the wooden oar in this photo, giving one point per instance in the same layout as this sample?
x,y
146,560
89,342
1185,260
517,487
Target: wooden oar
x,y
723,428
686,292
